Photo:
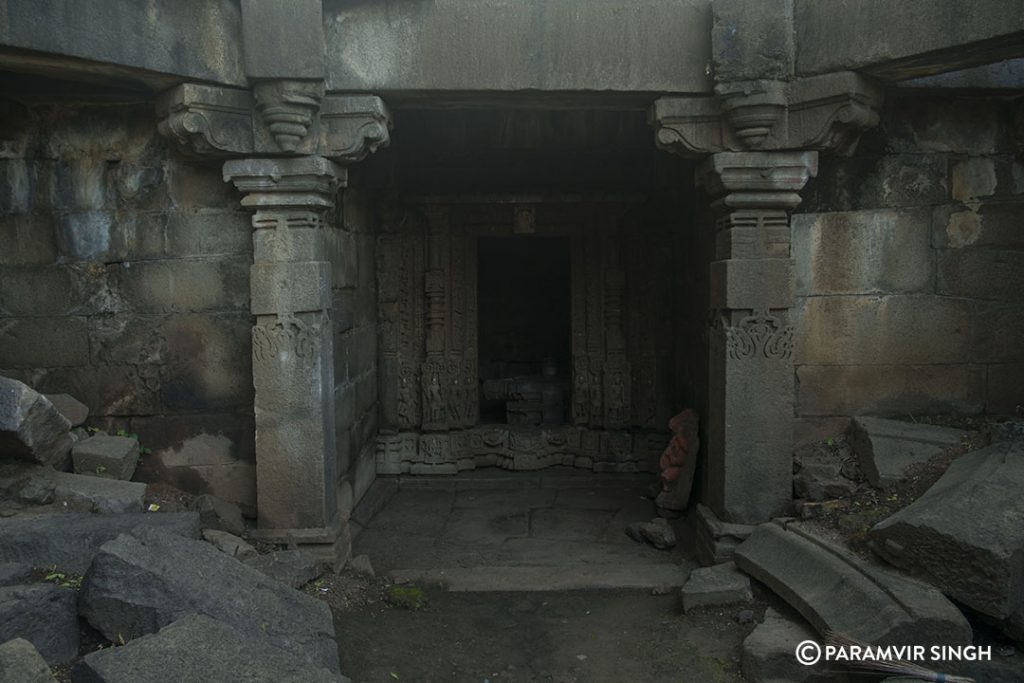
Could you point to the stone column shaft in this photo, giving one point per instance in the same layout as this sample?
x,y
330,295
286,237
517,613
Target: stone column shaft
x,y
292,344
751,382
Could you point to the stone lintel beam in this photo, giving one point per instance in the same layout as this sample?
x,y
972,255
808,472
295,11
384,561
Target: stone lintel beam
x,y
293,117
292,344
750,364
825,113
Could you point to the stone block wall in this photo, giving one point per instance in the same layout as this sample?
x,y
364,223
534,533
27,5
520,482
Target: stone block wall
x,y
124,281
910,266
352,246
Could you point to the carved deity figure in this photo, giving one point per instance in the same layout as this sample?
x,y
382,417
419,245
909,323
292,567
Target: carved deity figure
x,y
678,462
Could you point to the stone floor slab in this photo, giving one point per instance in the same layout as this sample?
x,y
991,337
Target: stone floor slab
x,y
569,524
485,526
516,578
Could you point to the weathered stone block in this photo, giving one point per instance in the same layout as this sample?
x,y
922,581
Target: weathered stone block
x,y
45,616
42,291
192,185
997,333
111,457
182,286
890,389
293,568
141,582
31,428
297,287
752,42
229,544
889,181
936,124
69,541
20,661
838,592
847,330
860,252
993,224
29,238
341,246
71,408
721,584
885,449
209,233
752,283
215,513
108,496
67,342
267,56
965,536
197,645
207,463
980,273
972,178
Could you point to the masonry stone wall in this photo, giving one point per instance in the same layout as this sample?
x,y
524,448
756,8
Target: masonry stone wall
x,y
352,246
910,266
124,281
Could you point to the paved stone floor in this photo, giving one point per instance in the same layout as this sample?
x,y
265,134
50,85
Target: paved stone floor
x,y
496,530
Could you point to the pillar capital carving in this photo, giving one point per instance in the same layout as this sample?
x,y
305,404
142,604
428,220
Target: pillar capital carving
x,y
822,113
751,180
285,116
299,183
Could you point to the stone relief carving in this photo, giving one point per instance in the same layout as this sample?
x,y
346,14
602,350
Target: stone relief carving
x,y
206,120
759,335
288,108
287,334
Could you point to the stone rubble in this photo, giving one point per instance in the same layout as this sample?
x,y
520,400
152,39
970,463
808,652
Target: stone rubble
x,y
70,407
658,532
965,535
722,584
215,513
293,568
111,457
229,544
768,652
885,449
31,428
20,662
43,614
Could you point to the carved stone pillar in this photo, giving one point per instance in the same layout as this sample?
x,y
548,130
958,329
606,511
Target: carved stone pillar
x,y
292,343
751,385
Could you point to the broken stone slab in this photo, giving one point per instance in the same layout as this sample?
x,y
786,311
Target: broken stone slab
x,y
70,407
965,535
31,428
361,565
107,496
768,653
140,582
14,573
715,541
722,584
44,615
885,449
20,662
215,513
293,568
658,532
70,541
838,592
229,544
111,457
197,647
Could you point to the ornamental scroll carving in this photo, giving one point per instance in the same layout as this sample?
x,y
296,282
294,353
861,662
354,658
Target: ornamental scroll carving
x,y
760,335
287,334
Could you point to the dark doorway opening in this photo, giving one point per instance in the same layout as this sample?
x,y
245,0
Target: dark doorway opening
x,y
525,343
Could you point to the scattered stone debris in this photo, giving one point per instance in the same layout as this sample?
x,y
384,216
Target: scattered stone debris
x,y
658,532
885,449
745,616
838,592
965,535
715,541
145,580
70,541
722,584
31,428
824,470
112,457
195,647
70,407
229,544
43,614
20,662
215,513
768,653
294,568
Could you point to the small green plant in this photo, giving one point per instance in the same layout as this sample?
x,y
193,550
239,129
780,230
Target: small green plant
x,y
406,597
144,450
64,580
92,430
100,469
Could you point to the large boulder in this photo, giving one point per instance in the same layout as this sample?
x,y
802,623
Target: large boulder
x,y
70,407
110,457
965,535
196,649
22,663
108,496
70,541
838,592
886,449
44,615
140,582
31,428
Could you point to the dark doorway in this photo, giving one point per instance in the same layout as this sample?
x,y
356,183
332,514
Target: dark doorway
x,y
525,344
